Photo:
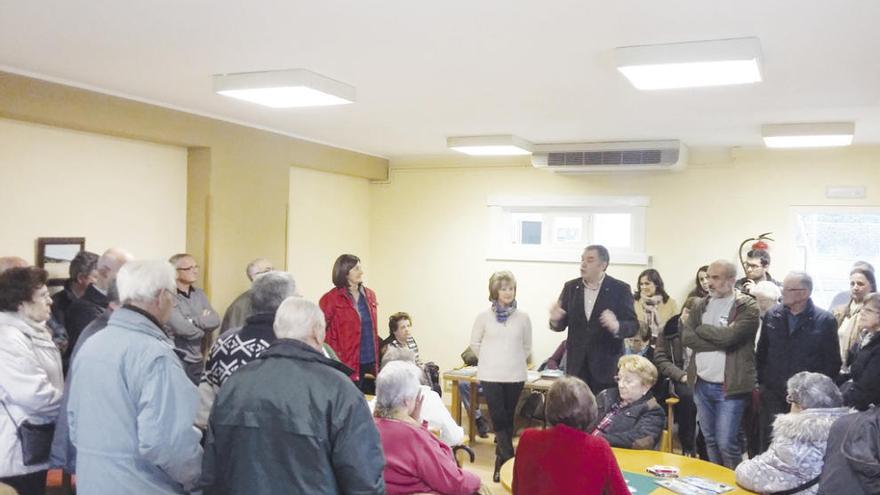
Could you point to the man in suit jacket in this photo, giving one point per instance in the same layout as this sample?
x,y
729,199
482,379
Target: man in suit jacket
x,y
598,312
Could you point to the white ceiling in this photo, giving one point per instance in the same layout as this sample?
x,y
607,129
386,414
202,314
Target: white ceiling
x,y
542,70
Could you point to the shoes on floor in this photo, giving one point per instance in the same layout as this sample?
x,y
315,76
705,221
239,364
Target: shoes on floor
x,y
482,427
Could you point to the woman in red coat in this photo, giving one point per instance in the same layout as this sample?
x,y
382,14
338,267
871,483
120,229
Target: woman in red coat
x,y
350,310
565,458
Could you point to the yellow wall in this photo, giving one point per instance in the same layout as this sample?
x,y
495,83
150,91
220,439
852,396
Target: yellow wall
x,y
429,230
329,215
112,191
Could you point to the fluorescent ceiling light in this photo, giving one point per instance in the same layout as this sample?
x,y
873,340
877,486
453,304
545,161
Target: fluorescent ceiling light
x,y
808,135
691,64
490,145
284,88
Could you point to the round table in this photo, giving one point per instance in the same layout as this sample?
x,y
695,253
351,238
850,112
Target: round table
x,y
635,461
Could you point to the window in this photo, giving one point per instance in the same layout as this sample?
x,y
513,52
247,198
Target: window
x,y
829,240
558,229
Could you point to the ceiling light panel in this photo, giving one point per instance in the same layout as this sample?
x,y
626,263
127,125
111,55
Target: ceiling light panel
x,y
490,145
284,88
691,64
815,135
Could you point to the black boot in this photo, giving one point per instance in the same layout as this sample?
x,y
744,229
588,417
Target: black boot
x,y
482,427
496,476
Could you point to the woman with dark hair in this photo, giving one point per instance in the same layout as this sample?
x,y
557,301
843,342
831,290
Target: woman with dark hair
x,y
31,381
565,458
399,335
701,283
502,341
864,391
653,305
861,283
350,311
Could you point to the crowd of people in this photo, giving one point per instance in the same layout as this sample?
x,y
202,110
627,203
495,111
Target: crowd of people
x,y
130,380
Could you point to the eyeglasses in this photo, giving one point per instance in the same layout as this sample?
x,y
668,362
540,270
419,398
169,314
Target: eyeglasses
x,y
786,289
189,268
753,266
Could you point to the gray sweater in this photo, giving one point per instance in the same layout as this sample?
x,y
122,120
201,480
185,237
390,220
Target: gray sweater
x,y
191,318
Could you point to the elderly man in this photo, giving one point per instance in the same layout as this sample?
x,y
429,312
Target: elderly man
x,y
796,336
193,317
94,300
83,272
757,266
240,309
241,346
7,262
301,407
598,312
720,330
139,437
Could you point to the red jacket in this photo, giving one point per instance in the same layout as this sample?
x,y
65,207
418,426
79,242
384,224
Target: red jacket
x,y
562,459
344,326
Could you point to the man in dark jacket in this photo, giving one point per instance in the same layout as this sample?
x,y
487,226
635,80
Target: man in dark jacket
x,y
292,421
598,312
796,336
852,456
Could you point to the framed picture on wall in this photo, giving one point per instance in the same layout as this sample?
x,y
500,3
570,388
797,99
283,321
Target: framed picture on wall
x,y
54,255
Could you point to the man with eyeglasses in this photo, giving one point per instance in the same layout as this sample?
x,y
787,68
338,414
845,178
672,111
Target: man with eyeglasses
x,y
757,266
192,318
795,336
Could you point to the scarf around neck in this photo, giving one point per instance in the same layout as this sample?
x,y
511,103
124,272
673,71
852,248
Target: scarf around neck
x,y
503,313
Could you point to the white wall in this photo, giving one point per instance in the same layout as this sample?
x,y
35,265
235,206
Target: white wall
x,y
113,192
329,215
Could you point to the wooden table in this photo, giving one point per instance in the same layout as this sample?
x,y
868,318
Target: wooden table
x,y
469,374
635,461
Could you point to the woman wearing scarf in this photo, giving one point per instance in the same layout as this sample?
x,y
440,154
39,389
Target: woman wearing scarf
x,y
653,305
861,283
502,341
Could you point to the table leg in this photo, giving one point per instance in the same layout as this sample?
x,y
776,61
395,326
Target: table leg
x,y
456,402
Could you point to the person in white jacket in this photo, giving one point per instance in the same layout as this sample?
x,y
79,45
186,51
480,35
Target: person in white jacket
x,y
31,380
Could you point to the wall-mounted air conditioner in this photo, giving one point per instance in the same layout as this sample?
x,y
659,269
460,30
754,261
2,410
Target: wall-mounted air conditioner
x,y
612,156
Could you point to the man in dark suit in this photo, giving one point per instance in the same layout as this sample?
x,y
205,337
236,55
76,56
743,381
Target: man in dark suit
x,y
598,312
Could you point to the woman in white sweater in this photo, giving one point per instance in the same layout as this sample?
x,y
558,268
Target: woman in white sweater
x,y
502,341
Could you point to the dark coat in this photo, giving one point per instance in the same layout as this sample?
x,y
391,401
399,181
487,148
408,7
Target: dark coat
x,y
291,421
865,389
637,426
812,346
669,353
81,312
592,350
852,456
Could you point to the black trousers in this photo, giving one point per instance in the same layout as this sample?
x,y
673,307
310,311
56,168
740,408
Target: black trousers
x,y
772,404
685,413
28,484
595,385
502,399
367,385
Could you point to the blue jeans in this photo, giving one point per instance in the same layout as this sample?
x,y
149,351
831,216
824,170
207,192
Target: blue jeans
x,y
464,392
720,418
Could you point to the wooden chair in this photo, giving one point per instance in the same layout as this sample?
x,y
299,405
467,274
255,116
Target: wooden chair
x,y
666,438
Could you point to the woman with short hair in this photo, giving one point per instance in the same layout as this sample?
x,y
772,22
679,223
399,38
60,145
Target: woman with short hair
x,y
502,341
31,380
565,458
350,311
795,457
415,460
630,416
399,336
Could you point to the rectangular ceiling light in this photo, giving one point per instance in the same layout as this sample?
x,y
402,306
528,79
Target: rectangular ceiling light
x,y
490,145
808,135
284,88
691,64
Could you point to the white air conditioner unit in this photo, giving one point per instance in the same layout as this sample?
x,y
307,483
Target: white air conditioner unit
x,y
612,156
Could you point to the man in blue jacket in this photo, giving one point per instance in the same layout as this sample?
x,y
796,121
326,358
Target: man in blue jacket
x,y
795,336
132,407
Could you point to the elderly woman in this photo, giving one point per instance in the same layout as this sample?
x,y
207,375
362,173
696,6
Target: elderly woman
x,y
566,458
350,311
795,457
415,460
31,381
865,387
630,416
861,283
502,341
653,305
399,336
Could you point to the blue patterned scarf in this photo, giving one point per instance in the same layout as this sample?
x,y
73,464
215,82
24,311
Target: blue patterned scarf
x,y
503,313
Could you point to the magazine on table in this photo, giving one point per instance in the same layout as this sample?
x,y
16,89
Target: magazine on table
x,y
694,485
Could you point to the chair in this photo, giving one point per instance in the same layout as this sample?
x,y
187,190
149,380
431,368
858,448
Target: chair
x,y
666,437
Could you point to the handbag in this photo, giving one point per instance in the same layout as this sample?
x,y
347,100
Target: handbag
x,y
36,439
